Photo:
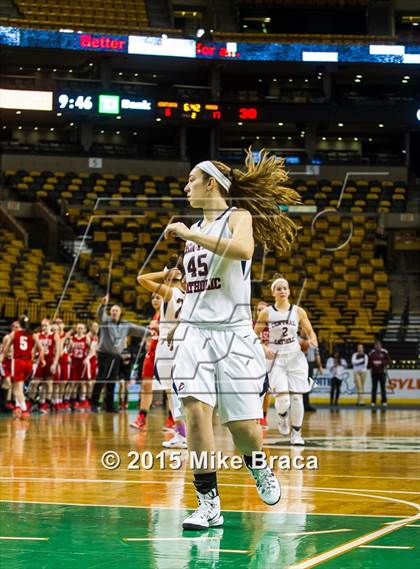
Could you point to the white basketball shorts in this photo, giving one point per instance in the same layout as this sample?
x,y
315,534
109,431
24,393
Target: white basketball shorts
x,y
164,360
221,367
289,374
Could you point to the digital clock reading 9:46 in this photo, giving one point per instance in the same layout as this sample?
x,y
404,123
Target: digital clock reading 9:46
x,y
75,102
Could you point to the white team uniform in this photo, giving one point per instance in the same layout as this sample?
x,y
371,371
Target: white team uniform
x,y
289,369
168,318
164,358
219,359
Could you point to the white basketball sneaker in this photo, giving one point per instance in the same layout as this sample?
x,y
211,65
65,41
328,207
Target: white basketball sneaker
x,y
283,424
207,514
177,441
296,438
268,486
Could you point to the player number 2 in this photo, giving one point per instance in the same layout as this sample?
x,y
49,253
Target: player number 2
x,y
201,269
179,301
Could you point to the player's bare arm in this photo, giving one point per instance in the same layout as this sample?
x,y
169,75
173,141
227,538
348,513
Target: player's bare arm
x,y
57,353
91,353
238,247
153,282
38,348
170,336
308,331
7,342
260,325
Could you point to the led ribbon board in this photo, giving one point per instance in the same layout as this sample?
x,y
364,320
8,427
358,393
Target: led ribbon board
x,y
185,48
81,41
21,99
300,52
20,37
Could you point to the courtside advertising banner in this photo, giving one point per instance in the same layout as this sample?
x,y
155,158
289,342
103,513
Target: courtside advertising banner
x,y
402,386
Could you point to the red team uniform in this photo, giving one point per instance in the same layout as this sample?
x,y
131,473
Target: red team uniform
x,y
149,358
63,370
7,366
265,335
23,343
47,342
78,352
93,362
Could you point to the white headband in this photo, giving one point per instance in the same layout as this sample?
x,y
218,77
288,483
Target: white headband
x,y
213,171
276,282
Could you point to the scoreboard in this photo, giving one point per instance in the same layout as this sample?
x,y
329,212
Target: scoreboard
x,y
192,110
142,109
112,104
101,103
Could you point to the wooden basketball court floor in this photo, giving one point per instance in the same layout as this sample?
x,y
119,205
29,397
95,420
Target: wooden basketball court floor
x,y
60,508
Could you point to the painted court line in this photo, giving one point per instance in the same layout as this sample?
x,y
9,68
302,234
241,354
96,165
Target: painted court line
x,y
407,526
221,473
346,547
364,539
168,482
355,476
317,532
230,550
14,538
386,547
167,538
345,449
157,507
361,438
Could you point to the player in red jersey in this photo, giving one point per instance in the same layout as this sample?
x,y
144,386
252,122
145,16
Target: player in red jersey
x,y
63,371
44,374
57,401
24,344
93,360
265,336
152,340
6,371
79,368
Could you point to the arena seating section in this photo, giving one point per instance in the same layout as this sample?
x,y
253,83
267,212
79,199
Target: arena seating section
x,y
130,16
54,188
302,38
32,285
360,196
117,16
345,292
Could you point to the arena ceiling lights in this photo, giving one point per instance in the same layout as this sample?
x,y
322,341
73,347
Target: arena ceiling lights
x,y
188,48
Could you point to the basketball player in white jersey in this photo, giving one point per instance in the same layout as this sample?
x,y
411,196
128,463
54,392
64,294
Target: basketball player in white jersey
x,y
219,360
288,370
168,284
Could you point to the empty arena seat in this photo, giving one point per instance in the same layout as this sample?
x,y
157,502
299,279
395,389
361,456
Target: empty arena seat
x,y
342,282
